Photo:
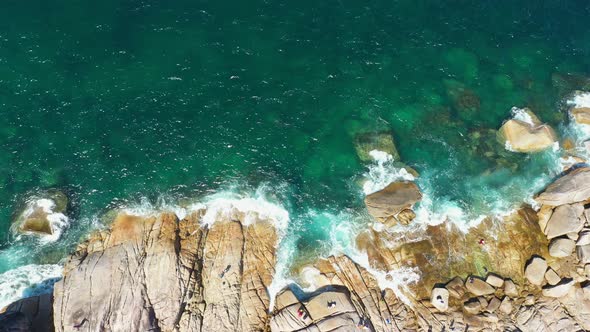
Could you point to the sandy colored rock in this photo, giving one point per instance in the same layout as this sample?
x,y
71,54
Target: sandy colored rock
x,y
586,291
565,219
41,213
440,298
506,305
561,247
166,274
477,286
456,288
559,290
583,253
494,304
544,214
391,200
523,137
510,288
581,115
584,238
495,280
473,306
405,216
552,277
535,270
571,188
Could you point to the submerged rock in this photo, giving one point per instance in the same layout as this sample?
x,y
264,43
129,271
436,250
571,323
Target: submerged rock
x,y
526,134
43,214
393,199
381,141
571,188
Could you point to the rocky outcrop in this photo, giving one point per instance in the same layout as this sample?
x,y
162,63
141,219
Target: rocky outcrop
x,y
526,135
161,273
42,214
393,202
29,314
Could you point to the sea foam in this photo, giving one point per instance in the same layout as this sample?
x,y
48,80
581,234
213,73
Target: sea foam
x,y
521,114
382,172
26,281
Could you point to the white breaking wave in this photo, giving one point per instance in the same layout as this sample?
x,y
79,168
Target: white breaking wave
x,y
27,281
581,99
383,172
521,114
250,208
247,207
579,131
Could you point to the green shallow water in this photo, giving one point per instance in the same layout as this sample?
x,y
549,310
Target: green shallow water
x,y
116,101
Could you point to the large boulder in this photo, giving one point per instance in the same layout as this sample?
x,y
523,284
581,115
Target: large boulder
x,y
526,134
561,247
565,219
571,188
535,270
478,287
393,199
559,290
43,214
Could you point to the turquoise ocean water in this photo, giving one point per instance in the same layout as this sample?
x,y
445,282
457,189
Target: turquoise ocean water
x,y
126,102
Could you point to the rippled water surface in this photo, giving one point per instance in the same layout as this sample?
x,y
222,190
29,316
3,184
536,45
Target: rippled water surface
x,y
117,101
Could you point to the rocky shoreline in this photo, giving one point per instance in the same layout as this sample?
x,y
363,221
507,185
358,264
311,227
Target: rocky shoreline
x,y
529,271
165,274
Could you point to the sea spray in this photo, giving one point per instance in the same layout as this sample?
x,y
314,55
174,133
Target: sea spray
x,y
382,172
236,203
345,227
27,281
580,132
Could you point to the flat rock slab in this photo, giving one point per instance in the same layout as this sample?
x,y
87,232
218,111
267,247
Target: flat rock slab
x,y
558,290
391,200
478,287
571,188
